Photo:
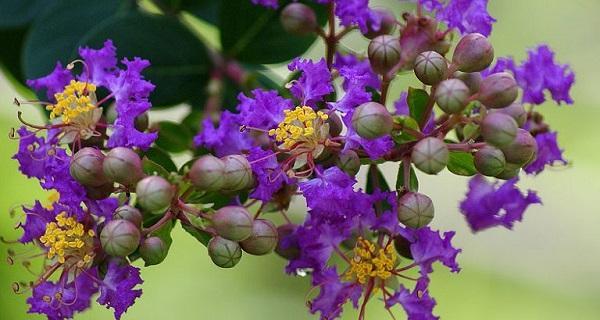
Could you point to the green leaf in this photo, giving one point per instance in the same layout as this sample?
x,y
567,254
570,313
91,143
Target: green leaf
x,y
461,163
162,158
417,103
17,13
401,137
152,168
376,180
413,184
200,235
173,137
10,55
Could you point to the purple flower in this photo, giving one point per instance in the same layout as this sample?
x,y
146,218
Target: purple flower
x,y
314,82
402,108
54,82
549,153
117,288
272,4
428,246
101,64
431,5
316,243
486,205
333,294
357,12
375,148
467,16
358,76
225,138
36,219
268,173
61,301
417,304
264,110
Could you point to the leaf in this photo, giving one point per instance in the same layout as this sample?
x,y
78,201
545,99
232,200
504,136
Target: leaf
x,y
173,137
162,158
413,184
417,103
401,137
376,180
152,168
18,13
200,235
10,55
461,163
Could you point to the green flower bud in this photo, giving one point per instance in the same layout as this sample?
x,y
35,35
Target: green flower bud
x,y
473,53
207,173
403,247
155,194
237,174
452,96
263,239
120,238
86,167
498,129
130,214
471,79
349,162
430,67
288,250
415,210
522,149
384,53
297,18
516,111
430,155
101,192
224,253
510,171
123,165
153,250
498,90
387,26
233,223
141,122
489,161
372,120
335,124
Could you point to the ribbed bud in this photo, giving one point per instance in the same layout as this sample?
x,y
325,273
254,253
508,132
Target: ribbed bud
x,y
297,18
86,167
452,96
498,90
207,173
522,149
120,238
153,250
263,239
285,248
349,162
224,253
430,67
233,223
154,194
430,155
123,165
130,214
372,120
489,161
237,174
384,53
415,210
516,111
387,26
498,129
473,53
471,79
510,171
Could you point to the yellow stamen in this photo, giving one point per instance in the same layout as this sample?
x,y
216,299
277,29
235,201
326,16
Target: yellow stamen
x,y
67,239
298,126
77,98
371,262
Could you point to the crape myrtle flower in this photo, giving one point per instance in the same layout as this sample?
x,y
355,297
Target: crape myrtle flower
x,y
467,16
358,76
314,82
271,4
548,153
357,13
224,138
269,175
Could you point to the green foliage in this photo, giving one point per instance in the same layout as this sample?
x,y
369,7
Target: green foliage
x,y
413,183
417,103
173,137
461,163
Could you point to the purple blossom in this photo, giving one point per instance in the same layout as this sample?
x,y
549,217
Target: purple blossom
x,y
316,243
225,138
428,246
54,82
74,297
549,153
100,64
357,12
271,4
117,290
264,110
313,84
36,219
467,16
418,305
333,294
375,148
269,175
358,76
487,205
402,108
431,5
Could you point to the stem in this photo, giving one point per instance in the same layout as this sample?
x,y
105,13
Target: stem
x,y
368,292
331,40
465,146
167,217
406,173
385,85
428,107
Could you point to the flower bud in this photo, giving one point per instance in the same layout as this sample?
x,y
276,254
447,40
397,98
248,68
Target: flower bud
x,y
430,67
415,210
297,18
130,214
263,239
498,90
471,79
349,162
123,165
510,171
285,248
387,26
384,53
452,96
154,194
237,174
233,223
516,111
153,250
207,173
224,253
86,167
141,122
498,129
120,238
101,192
372,120
402,246
430,155
489,161
473,53
335,124
522,149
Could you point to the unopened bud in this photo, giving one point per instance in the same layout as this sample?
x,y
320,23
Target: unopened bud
x,y
224,253
237,174
86,167
430,155
384,53
473,53
471,79
154,194
415,210
263,239
130,214
123,165
153,250
349,162
233,223
510,171
335,124
489,161
452,96
498,129
285,248
522,149
498,90
372,120
387,26
430,67
516,111
297,18
141,122
120,238
207,173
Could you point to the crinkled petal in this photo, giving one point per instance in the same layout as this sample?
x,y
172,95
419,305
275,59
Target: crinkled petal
x,y
548,154
74,297
467,16
333,294
263,110
313,84
225,138
117,290
52,83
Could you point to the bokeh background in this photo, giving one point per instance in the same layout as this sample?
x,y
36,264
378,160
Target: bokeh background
x,y
548,267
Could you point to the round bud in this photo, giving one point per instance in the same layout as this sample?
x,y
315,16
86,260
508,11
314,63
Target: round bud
x,y
335,124
372,120
120,238
473,53
86,167
415,210
516,111
402,246
452,95
153,250
430,67
233,223
207,173
263,239
430,155
141,122
471,79
522,149
224,253
101,192
123,165
384,53
237,173
498,129
297,18
285,248
154,194
489,161
387,25
130,214
498,90
349,162
510,171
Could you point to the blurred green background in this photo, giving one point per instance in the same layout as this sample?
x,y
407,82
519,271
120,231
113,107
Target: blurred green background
x,y
547,268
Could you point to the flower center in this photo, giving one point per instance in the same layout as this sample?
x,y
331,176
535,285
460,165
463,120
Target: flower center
x,y
77,98
300,125
68,240
371,262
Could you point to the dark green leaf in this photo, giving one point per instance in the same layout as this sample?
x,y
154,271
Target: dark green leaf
x,y
207,10
162,158
417,103
200,235
400,136
173,137
10,55
376,180
413,184
193,119
151,168
17,13
461,163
